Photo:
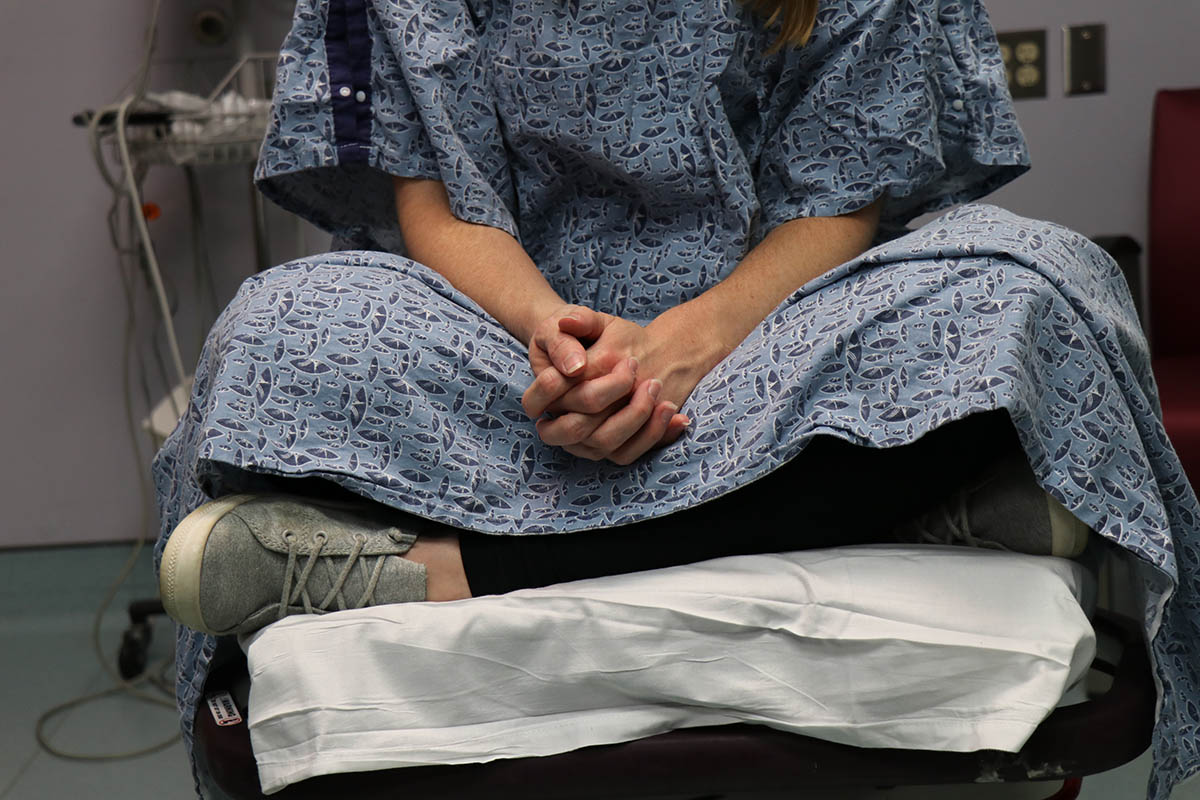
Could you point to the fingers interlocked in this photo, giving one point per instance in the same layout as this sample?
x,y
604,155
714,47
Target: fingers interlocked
x,y
621,435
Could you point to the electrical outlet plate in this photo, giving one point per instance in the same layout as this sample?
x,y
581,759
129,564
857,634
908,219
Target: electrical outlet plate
x,y
1024,54
1084,59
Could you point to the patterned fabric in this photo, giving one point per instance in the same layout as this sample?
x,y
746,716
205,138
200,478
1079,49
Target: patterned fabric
x,y
638,151
682,143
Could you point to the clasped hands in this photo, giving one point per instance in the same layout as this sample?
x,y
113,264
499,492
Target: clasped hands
x,y
608,388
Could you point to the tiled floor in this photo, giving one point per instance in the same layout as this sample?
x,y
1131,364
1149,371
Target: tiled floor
x,y
48,598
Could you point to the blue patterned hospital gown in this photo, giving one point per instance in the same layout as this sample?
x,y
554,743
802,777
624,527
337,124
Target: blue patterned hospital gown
x,y
638,149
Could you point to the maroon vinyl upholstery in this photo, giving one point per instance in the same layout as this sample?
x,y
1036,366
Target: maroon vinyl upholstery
x,y
1174,268
1178,379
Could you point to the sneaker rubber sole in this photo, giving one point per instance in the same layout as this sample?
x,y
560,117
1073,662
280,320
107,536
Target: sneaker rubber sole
x,y
179,573
1068,533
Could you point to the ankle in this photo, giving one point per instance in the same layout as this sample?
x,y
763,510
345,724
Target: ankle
x,y
445,577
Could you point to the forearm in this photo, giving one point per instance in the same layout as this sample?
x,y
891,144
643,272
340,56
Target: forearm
x,y
789,256
485,263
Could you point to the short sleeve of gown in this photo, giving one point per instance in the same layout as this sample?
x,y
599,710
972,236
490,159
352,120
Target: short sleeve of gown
x,y
366,89
906,98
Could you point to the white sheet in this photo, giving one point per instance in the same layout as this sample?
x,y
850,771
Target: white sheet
x,y
880,646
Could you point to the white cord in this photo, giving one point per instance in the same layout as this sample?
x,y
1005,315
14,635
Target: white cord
x,y
130,188
135,199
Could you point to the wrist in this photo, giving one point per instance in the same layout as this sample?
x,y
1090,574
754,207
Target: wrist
x,y
701,333
533,313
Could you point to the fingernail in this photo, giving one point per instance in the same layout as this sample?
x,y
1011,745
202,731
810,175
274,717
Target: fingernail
x,y
633,365
574,364
669,411
654,389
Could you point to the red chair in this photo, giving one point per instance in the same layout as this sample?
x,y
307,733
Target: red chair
x,y
1174,269
743,760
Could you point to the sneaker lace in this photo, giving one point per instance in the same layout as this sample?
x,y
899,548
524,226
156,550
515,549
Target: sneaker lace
x,y
957,529
290,594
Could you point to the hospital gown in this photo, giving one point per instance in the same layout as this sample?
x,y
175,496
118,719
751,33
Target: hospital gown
x,y
637,150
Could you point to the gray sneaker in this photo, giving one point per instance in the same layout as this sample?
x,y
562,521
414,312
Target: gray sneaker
x,y
244,561
1006,510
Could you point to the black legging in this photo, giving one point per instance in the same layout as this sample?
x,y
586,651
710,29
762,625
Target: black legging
x,y
834,493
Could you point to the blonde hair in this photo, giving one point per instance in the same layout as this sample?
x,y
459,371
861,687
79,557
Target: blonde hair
x,y
796,19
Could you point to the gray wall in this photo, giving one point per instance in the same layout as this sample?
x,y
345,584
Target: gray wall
x,y
68,471
1091,152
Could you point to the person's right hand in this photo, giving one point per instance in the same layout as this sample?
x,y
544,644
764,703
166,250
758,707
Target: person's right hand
x,y
602,411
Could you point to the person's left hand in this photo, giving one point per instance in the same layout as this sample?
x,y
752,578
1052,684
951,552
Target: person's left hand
x,y
667,358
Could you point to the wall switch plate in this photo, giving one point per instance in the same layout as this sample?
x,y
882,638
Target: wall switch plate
x,y
1024,54
1084,59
